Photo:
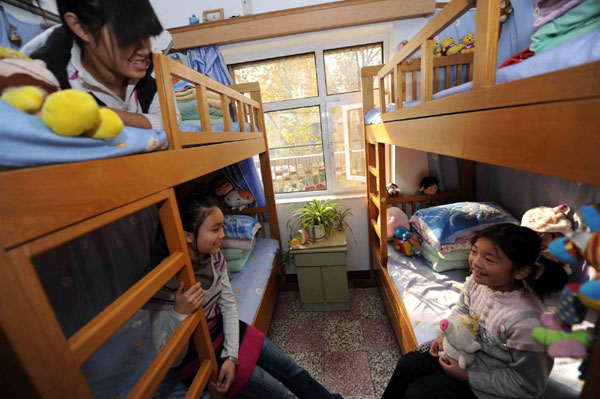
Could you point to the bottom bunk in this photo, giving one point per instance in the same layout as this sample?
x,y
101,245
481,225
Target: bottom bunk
x,y
116,367
417,298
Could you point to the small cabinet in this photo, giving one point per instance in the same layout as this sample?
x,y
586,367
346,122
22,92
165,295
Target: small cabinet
x,y
321,270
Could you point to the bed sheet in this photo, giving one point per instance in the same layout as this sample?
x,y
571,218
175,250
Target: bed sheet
x,y
249,284
429,297
115,368
578,51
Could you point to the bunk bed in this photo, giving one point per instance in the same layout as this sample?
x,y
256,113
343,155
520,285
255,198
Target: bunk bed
x,y
44,207
494,121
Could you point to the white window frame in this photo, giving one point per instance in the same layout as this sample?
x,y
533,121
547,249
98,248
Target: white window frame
x,y
323,100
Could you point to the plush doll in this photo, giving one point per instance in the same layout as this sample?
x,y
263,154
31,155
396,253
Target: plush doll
x,y
449,46
428,186
460,338
468,44
393,190
238,199
395,218
437,51
549,223
406,242
30,87
556,333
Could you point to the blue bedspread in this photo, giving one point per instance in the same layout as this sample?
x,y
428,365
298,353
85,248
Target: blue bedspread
x,y
578,51
115,368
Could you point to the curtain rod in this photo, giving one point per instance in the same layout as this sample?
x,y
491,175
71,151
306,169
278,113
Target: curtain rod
x,y
33,9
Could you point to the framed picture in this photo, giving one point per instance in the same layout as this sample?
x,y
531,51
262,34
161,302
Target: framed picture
x,y
213,15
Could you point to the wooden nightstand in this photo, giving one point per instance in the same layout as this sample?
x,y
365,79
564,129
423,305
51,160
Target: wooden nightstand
x,y
321,269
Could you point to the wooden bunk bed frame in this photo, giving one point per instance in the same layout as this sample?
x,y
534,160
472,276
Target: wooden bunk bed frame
x,y
496,124
44,207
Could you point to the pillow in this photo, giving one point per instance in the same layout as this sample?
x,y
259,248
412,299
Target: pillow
x,y
238,243
240,226
444,224
440,262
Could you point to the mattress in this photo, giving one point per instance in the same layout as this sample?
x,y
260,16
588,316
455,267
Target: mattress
x,y
114,369
429,296
578,51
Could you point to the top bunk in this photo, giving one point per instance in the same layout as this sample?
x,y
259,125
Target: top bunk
x,y
541,114
40,200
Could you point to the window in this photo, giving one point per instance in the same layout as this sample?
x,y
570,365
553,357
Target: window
x,y
313,116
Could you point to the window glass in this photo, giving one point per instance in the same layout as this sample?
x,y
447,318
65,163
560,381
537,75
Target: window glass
x,y
281,79
342,66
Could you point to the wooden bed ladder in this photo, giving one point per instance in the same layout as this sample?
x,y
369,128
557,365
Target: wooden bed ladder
x,y
44,363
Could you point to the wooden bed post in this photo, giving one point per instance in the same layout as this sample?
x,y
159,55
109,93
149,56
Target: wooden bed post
x,y
427,71
486,31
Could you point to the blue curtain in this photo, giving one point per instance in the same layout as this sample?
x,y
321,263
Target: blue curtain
x,y
25,30
209,61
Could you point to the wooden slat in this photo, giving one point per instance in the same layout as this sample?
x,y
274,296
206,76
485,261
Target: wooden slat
x,y
487,21
31,330
95,333
366,77
242,116
226,114
375,226
46,243
297,20
427,71
448,78
413,83
382,103
374,200
202,98
575,121
373,170
447,60
166,96
200,380
577,82
201,138
159,367
398,80
37,201
438,23
436,80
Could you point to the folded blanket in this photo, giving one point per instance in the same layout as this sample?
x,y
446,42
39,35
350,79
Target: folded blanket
x,y
214,99
240,255
239,243
579,20
441,262
554,11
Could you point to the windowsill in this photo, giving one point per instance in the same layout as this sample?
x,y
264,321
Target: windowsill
x,y
304,198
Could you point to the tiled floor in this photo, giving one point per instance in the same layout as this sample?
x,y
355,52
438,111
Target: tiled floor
x,y
351,352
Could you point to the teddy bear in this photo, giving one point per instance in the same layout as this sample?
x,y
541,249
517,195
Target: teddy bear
x,y
468,44
29,86
460,338
437,51
556,333
238,199
449,46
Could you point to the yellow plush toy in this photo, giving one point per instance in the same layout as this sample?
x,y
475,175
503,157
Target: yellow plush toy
x,y
449,46
29,86
437,51
468,44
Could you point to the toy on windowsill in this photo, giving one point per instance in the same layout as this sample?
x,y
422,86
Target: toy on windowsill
x,y
460,338
393,190
30,87
468,44
406,242
449,46
557,334
395,218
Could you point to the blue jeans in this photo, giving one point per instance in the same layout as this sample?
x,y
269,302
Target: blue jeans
x,y
273,368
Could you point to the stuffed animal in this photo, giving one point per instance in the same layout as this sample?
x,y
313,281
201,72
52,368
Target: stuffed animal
x,y
460,338
406,242
393,190
428,186
505,10
556,333
449,46
468,44
222,187
238,199
395,218
30,87
437,51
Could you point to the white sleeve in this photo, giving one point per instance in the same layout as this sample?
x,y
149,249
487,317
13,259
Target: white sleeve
x,y
164,324
231,326
154,114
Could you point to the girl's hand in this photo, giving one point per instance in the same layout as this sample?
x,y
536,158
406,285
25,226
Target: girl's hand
x,y
436,346
226,375
452,368
187,302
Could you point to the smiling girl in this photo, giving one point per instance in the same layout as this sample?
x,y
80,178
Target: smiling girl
x,y
103,47
509,279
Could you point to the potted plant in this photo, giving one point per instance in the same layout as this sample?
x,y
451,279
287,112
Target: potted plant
x,y
318,218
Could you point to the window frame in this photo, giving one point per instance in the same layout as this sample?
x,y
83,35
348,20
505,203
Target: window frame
x,y
323,100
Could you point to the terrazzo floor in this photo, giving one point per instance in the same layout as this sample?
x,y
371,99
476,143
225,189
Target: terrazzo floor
x,y
352,353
